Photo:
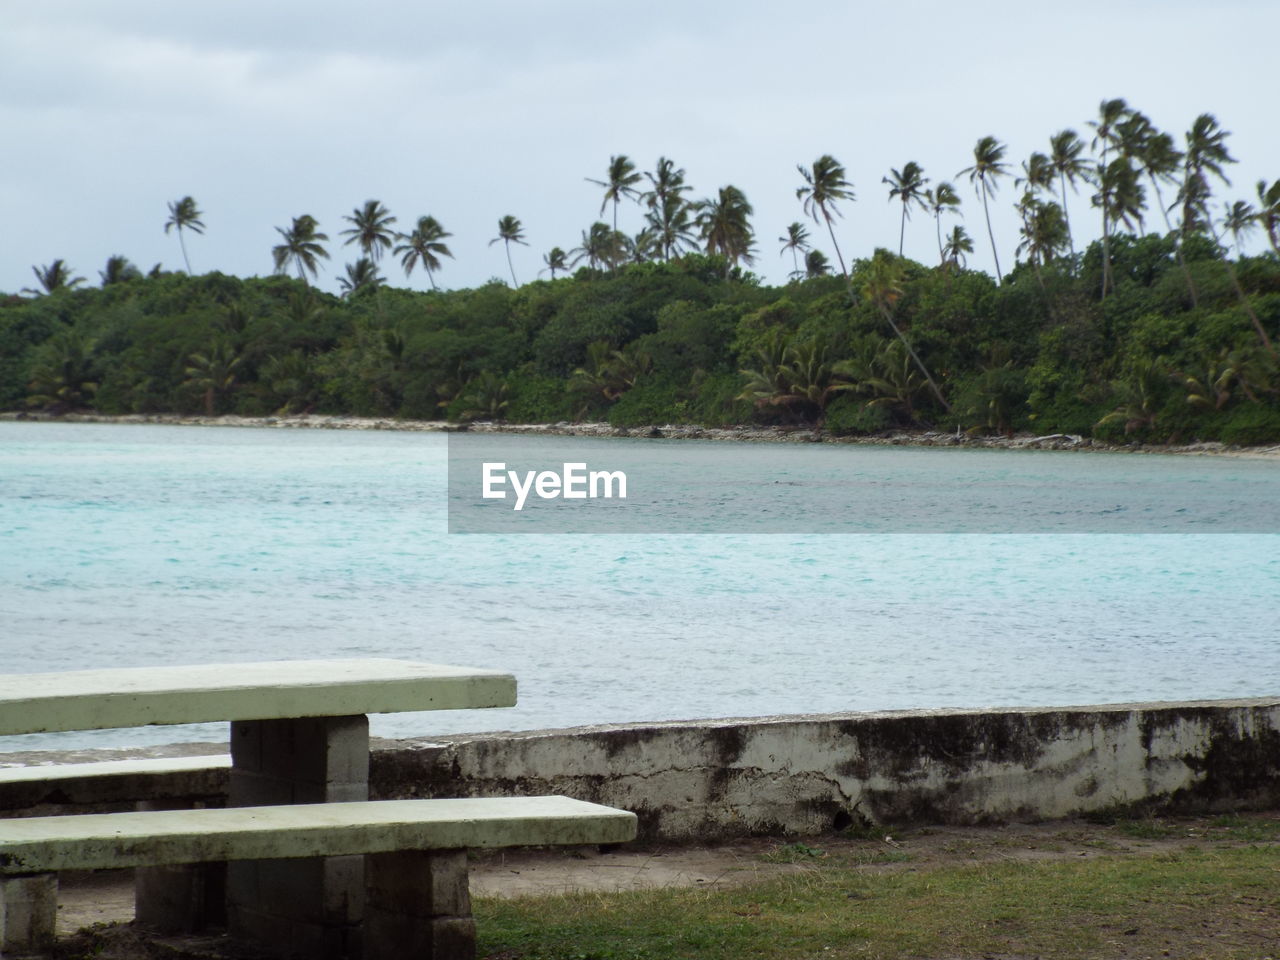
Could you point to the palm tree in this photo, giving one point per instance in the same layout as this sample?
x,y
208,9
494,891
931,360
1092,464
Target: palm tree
x,y
1268,215
1155,152
666,181
767,383
670,225
882,286
184,215
908,185
609,372
1206,154
301,245
1111,114
371,229
1239,220
600,246
213,372
1044,236
1044,231
56,276
620,182
941,198
824,185
424,246
1037,174
816,264
644,246
118,270
1122,200
62,375
885,373
557,261
958,244
987,168
361,275
725,224
487,398
797,241
1065,149
510,231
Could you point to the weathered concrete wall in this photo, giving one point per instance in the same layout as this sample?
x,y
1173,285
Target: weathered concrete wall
x,y
805,775
701,780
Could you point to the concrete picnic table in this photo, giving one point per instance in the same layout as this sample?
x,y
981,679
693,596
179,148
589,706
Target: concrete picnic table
x,y
299,733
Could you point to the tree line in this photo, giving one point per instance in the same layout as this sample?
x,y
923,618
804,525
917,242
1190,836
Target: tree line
x,y
1157,335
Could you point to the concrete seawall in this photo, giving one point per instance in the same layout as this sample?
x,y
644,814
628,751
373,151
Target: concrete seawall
x,y
713,779
805,775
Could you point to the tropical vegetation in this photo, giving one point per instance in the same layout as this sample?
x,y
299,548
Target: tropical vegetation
x,y
1162,329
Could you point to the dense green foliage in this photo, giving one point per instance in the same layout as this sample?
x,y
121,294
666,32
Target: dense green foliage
x,y
681,341
1154,336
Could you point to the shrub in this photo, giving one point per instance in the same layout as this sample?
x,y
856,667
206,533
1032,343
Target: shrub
x,y
1251,424
848,416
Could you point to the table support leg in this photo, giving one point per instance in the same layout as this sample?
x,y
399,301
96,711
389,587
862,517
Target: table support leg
x,y
418,906
310,908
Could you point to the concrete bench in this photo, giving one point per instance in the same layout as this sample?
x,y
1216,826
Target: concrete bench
x,y
416,902
113,783
299,734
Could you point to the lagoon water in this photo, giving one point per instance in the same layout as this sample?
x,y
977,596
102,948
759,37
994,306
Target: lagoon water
x,y
124,545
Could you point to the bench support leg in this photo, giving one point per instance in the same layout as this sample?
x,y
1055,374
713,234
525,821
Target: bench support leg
x,y
309,908
180,898
28,913
418,906
184,898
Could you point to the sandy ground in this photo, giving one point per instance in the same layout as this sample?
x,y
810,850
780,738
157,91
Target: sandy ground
x,y
743,434
107,896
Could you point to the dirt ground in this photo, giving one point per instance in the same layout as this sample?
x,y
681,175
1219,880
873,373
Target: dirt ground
x,y
107,897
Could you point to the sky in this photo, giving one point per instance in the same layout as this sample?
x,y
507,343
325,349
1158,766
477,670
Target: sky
x,y
468,112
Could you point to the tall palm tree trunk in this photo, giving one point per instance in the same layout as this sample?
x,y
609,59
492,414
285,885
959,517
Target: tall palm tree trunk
x,y
1253,316
1071,244
1177,242
991,233
919,363
1244,300
902,229
1106,237
1106,254
183,244
839,255
510,266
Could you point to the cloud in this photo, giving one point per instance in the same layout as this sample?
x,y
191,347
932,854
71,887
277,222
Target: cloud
x,y
263,111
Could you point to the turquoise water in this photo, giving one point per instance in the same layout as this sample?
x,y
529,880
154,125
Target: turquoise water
x,y
134,545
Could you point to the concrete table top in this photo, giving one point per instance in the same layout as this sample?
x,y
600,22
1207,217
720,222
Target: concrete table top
x,y
141,696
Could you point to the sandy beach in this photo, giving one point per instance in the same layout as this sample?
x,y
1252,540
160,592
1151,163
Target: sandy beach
x,y
739,434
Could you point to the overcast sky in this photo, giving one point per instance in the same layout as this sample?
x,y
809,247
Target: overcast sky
x,y
267,110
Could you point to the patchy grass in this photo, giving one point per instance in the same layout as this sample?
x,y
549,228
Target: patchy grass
x,y
1232,828
793,853
1222,904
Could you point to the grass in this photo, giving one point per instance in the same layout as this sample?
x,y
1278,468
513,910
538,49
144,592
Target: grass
x,y
1196,903
1231,828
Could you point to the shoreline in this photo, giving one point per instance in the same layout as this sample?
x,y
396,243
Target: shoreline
x,y
739,434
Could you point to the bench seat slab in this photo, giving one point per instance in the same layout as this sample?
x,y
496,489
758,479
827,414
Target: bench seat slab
x,y
149,838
